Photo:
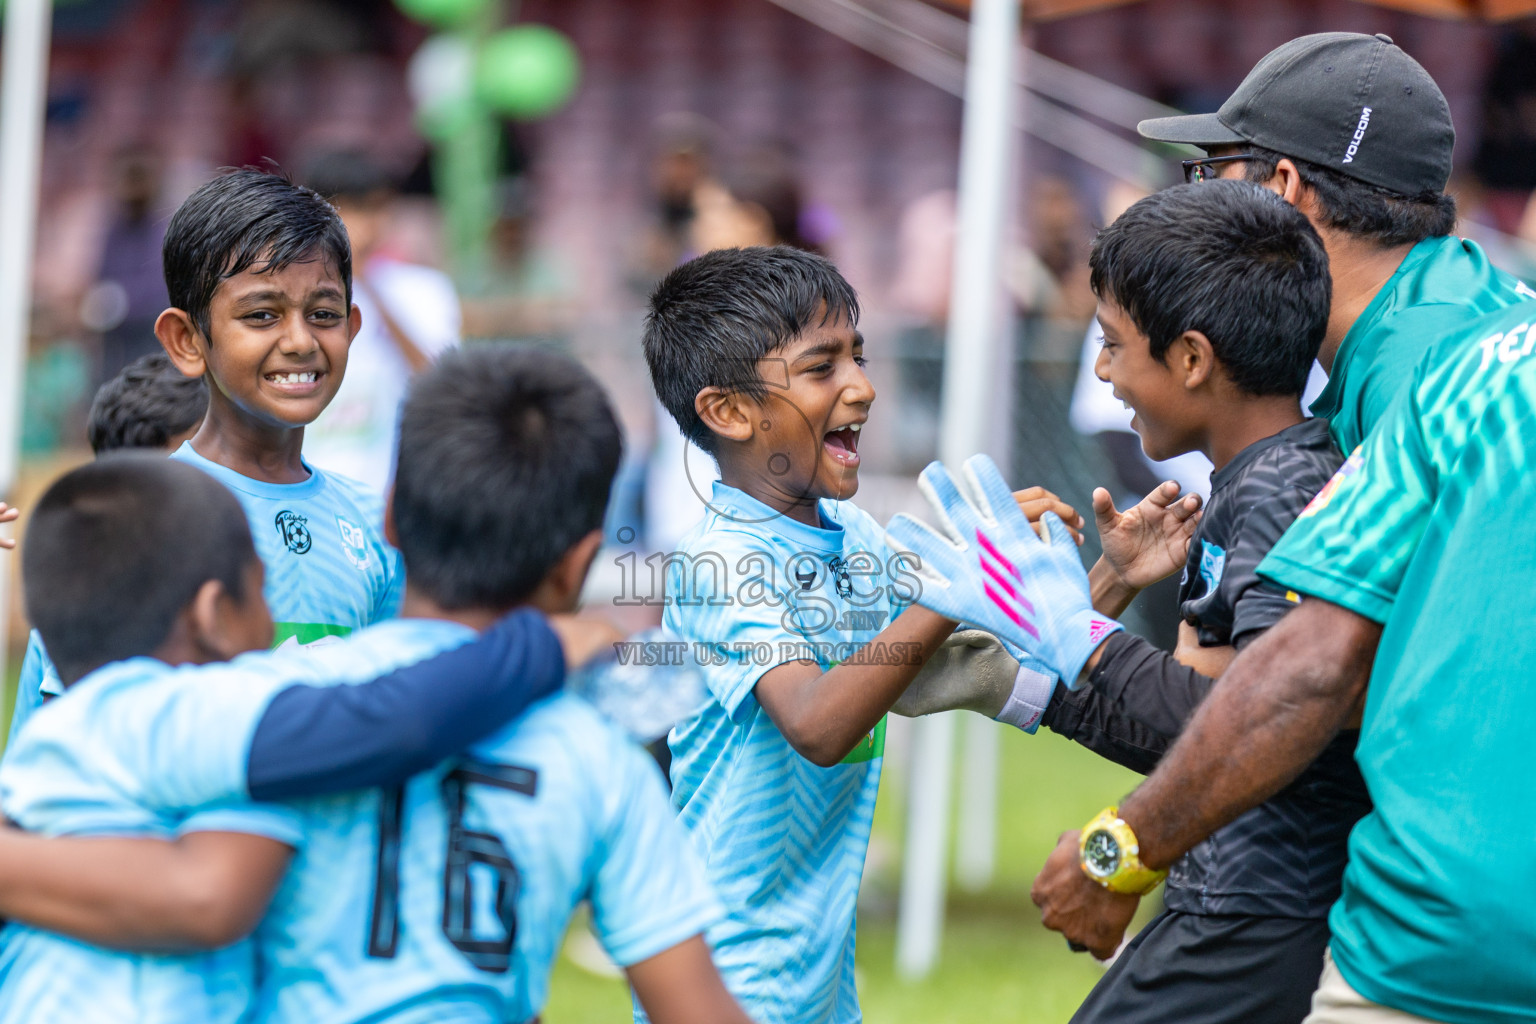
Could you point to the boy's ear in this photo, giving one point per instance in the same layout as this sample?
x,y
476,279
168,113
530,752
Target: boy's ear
x,y
206,626
354,322
182,341
391,535
725,413
1192,359
560,589
202,616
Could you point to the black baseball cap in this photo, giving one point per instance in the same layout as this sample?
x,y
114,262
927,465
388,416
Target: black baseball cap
x,y
1352,102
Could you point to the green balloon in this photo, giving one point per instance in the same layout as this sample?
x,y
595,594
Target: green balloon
x,y
526,71
441,13
442,121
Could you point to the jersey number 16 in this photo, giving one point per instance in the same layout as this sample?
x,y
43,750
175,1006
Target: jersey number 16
x,y
466,848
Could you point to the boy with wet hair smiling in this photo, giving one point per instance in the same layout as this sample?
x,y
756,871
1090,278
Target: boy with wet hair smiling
x,y
259,272
808,615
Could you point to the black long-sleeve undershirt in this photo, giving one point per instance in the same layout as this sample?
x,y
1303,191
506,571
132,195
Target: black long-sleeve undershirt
x,y
1135,705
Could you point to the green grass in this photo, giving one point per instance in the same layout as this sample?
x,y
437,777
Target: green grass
x,y
8,688
998,964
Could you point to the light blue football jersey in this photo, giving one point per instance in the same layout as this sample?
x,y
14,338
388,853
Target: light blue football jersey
x,y
83,767
329,569
38,680
784,839
446,899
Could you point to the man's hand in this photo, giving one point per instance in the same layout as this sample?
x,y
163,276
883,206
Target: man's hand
x,y
9,514
1149,541
1035,502
1071,903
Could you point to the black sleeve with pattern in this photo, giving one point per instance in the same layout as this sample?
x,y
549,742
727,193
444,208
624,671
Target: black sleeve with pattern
x,y
1089,718
1258,604
1148,685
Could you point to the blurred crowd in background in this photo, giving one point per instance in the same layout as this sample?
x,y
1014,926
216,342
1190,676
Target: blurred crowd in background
x,y
693,124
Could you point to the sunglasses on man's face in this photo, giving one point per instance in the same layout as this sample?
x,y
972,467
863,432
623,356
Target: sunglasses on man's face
x,y
1205,169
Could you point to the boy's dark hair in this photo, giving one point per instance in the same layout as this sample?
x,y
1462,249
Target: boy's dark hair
x,y
117,548
243,219
1361,209
506,459
145,406
1228,259
715,316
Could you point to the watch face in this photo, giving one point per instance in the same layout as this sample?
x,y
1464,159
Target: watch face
x,y
1101,854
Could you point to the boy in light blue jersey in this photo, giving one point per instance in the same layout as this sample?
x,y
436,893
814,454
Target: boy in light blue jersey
x,y
259,272
801,617
151,404
143,748
446,898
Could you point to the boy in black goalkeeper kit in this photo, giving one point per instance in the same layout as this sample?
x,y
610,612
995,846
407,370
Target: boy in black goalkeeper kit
x,y
1214,299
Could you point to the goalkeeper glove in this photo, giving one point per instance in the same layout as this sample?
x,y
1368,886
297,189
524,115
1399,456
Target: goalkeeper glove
x,y
985,565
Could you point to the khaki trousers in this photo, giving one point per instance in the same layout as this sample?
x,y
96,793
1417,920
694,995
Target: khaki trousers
x,y
1335,1002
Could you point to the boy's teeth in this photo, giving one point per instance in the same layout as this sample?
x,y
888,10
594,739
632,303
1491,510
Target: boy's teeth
x,y
846,438
292,378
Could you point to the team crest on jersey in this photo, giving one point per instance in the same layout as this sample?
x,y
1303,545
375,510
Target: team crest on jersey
x,y
840,577
1213,564
354,544
294,530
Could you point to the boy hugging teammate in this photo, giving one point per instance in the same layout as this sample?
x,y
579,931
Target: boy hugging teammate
x,y
259,272
444,896
150,404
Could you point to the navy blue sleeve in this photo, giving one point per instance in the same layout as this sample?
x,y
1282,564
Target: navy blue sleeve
x,y
327,739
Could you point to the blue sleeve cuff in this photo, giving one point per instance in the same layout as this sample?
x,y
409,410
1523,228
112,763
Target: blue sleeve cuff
x,y
328,739
277,823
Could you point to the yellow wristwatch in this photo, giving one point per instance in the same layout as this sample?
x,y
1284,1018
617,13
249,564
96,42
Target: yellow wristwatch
x,y
1109,854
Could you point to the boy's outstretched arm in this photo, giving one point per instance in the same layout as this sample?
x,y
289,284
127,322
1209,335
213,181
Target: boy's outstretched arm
x,y
681,986
327,739
200,891
824,715
971,670
983,564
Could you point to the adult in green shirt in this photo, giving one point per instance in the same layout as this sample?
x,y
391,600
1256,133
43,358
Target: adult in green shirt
x,y
1357,135
1415,575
